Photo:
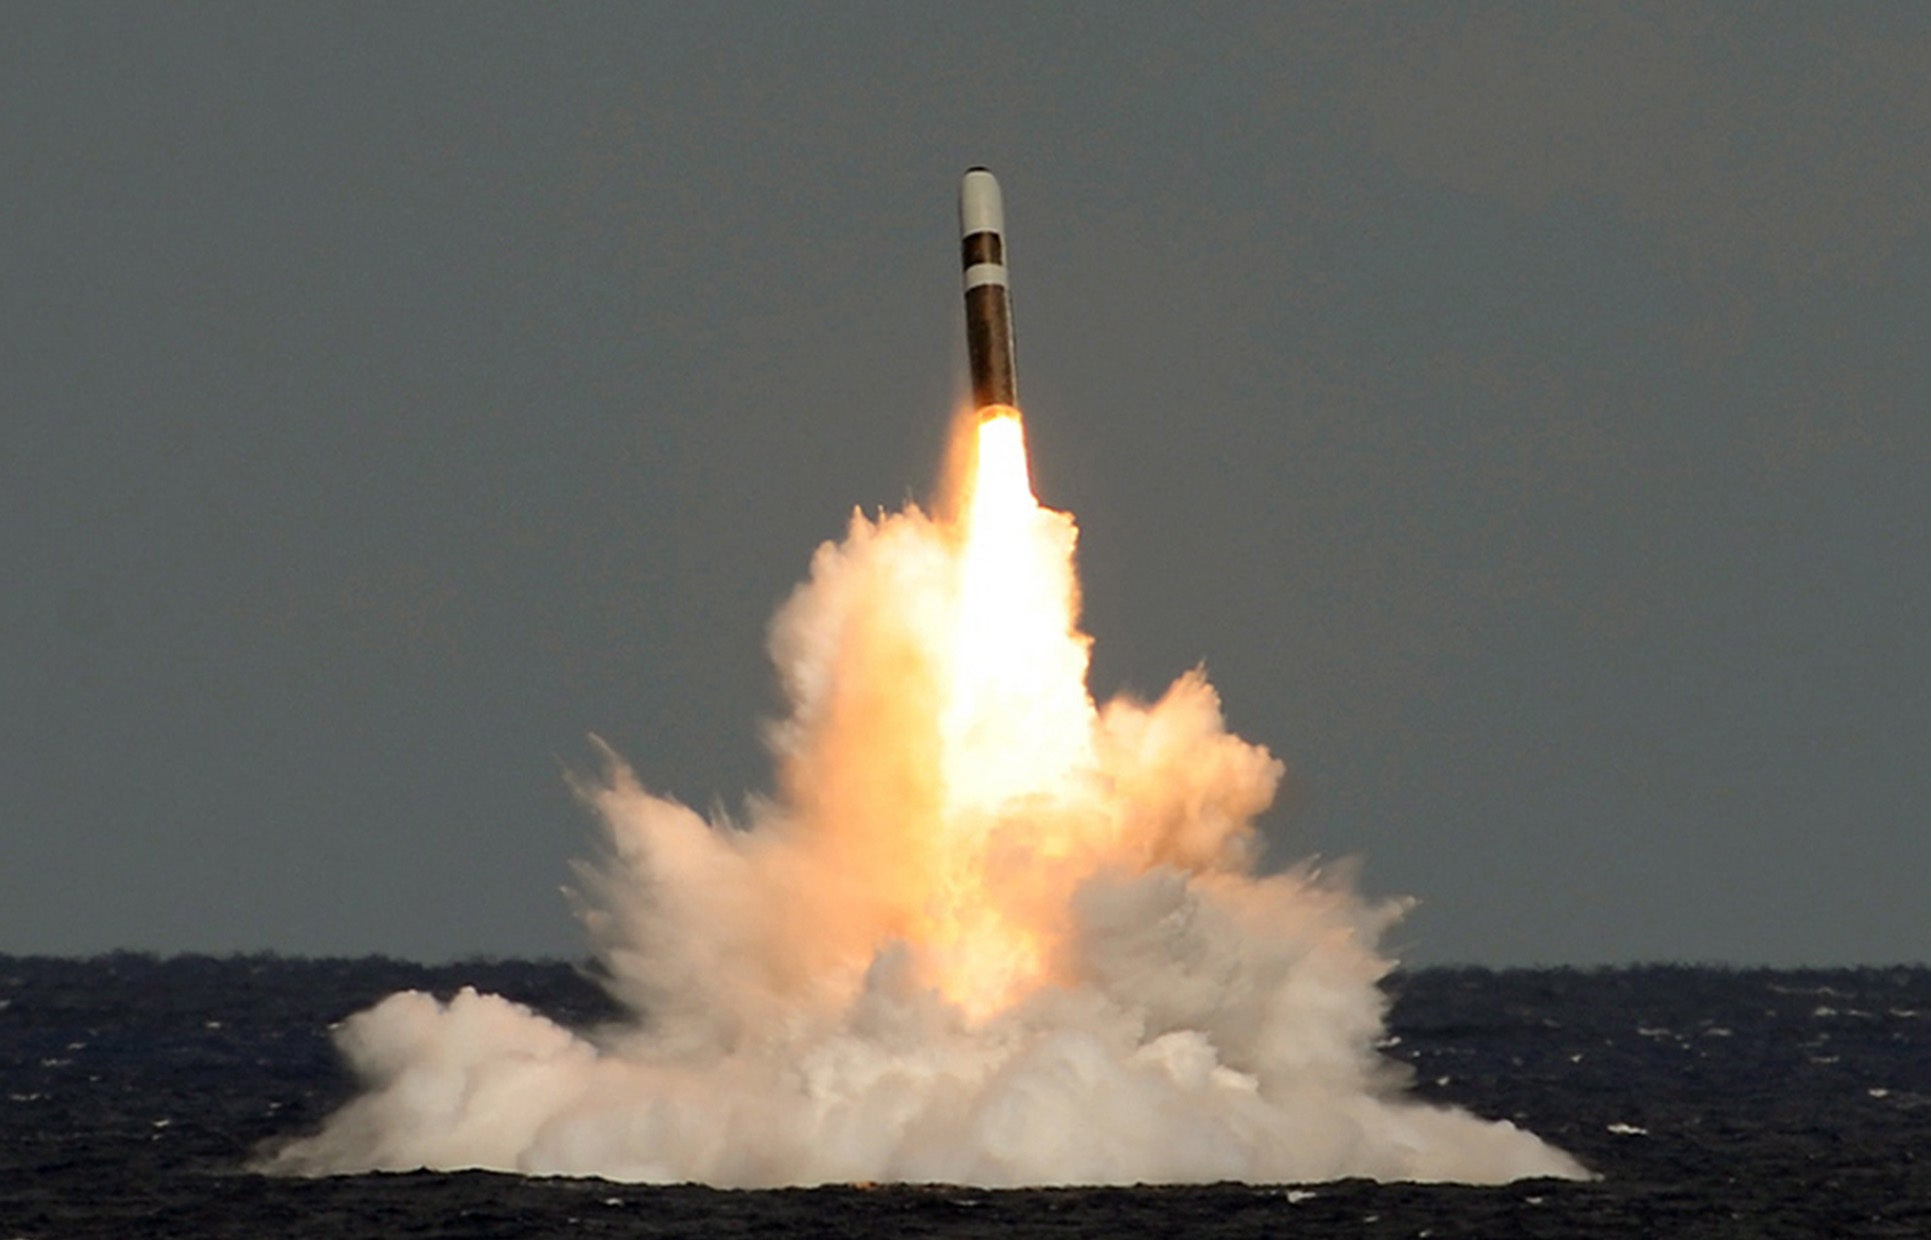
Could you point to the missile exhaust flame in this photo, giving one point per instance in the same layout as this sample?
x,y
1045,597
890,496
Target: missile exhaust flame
x,y
987,932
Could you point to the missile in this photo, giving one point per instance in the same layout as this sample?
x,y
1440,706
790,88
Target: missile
x,y
988,304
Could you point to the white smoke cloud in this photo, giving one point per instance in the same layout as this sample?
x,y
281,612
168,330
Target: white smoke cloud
x,y
1166,1016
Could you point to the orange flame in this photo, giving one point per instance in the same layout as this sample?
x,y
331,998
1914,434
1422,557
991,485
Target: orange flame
x,y
1016,728
945,773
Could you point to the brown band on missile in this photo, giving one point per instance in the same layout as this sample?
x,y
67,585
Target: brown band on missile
x,y
989,344
983,247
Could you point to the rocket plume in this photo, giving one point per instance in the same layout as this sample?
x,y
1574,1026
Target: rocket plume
x,y
985,932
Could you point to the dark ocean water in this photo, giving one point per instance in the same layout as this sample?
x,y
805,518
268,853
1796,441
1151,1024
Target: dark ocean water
x,y
1712,1102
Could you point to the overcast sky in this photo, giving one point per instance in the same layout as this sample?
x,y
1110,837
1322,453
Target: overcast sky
x,y
1522,412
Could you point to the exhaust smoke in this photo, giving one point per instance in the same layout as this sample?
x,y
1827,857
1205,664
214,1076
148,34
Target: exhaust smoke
x,y
985,932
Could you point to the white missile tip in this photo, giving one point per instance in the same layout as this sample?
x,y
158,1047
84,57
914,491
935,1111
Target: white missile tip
x,y
980,207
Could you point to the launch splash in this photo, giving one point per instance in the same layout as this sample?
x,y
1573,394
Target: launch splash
x,y
985,932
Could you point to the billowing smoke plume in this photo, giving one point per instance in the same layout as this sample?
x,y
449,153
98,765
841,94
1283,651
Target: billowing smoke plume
x,y
985,932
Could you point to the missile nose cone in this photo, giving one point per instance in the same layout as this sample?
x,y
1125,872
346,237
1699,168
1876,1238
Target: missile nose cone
x,y
980,206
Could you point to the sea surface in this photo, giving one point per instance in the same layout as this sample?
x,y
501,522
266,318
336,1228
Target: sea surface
x,y
1712,1103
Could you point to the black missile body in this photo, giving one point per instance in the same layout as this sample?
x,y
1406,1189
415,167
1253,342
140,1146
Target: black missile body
x,y
988,303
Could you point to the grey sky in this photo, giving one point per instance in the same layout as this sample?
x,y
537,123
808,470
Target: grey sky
x,y
1522,412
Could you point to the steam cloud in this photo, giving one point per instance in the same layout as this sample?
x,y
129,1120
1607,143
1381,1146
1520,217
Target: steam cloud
x,y
867,982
